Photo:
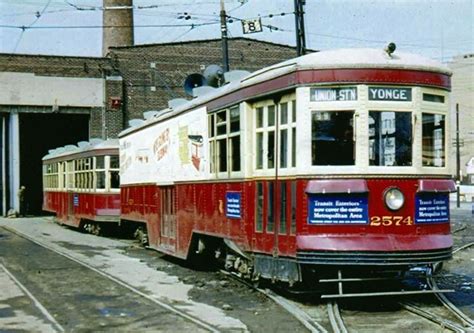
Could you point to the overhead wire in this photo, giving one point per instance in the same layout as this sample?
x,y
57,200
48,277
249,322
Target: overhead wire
x,y
206,21
38,16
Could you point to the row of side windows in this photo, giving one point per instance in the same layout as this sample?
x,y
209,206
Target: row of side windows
x,y
333,141
81,174
225,138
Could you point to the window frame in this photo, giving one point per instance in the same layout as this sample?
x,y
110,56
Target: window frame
x,y
261,147
413,140
228,135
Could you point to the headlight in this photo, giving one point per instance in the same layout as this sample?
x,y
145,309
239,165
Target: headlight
x,y
394,198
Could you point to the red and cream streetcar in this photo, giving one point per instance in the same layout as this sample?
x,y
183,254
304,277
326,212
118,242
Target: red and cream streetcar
x,y
331,163
330,167
81,184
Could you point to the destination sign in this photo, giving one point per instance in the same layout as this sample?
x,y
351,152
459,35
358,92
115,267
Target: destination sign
x,y
432,208
389,94
337,209
333,94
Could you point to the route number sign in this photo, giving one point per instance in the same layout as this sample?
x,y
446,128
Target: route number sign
x,y
251,26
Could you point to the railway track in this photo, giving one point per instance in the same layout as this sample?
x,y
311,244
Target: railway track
x,y
323,318
194,320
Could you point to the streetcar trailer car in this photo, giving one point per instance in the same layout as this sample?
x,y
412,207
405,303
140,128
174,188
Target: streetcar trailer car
x,y
81,184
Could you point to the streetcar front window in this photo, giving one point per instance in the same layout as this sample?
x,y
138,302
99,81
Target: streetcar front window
x,y
390,138
433,140
332,138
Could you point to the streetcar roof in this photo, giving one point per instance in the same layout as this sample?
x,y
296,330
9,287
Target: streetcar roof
x,y
350,58
81,147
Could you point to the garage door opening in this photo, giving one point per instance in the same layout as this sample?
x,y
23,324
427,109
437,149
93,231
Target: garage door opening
x,y
39,133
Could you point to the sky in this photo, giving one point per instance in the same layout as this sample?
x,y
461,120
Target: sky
x,y
439,29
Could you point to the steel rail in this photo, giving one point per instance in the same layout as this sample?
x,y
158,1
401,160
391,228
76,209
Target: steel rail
x,y
337,324
465,319
36,302
303,317
465,246
434,318
164,305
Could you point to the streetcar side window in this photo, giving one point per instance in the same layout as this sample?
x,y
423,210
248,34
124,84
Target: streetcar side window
x,y
275,124
390,138
270,208
287,138
114,173
224,141
332,139
50,176
259,208
434,140
100,172
283,207
293,207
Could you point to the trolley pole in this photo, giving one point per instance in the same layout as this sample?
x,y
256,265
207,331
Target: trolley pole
x,y
299,27
225,48
458,159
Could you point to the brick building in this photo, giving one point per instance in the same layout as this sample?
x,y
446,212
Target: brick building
x,y
51,101
154,74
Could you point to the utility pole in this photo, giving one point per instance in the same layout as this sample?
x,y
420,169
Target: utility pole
x,y
458,159
299,25
225,48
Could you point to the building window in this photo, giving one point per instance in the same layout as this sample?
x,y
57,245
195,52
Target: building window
x,y
390,138
224,141
332,141
434,140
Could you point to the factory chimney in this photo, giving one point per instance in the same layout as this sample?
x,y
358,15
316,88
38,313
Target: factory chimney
x,y
118,24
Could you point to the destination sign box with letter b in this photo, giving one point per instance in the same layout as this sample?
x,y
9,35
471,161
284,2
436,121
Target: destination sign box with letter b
x,y
389,94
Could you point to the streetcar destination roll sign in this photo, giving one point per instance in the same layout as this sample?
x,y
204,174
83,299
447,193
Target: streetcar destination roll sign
x,y
389,94
333,94
337,209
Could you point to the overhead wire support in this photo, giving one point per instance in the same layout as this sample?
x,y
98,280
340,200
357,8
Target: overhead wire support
x,y
299,25
225,47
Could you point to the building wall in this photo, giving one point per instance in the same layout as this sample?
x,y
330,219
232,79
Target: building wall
x,y
143,78
31,89
65,82
154,74
462,94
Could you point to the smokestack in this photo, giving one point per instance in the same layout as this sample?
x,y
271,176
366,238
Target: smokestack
x,y
118,24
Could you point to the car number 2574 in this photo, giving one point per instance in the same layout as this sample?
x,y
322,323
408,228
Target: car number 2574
x,y
390,220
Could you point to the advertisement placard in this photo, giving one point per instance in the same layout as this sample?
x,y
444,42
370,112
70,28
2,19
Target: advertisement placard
x,y
337,209
233,205
432,208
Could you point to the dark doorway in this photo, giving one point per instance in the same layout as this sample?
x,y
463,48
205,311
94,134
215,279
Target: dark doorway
x,y
40,132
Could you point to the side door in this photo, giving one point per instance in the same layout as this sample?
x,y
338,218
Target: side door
x,y
168,230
